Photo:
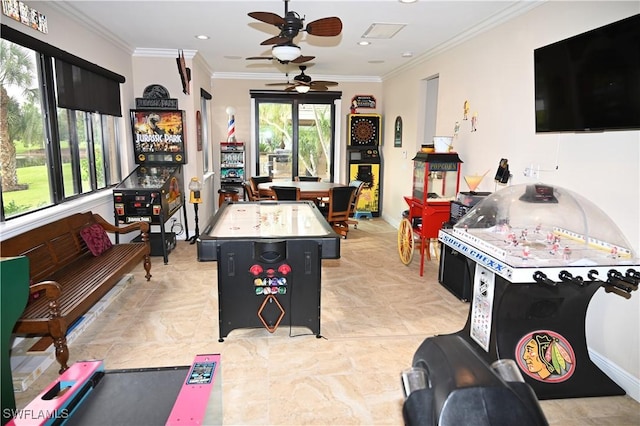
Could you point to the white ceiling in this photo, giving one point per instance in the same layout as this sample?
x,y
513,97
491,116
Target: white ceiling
x,y
146,26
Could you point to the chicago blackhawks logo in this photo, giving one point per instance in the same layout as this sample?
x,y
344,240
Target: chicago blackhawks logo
x,y
546,356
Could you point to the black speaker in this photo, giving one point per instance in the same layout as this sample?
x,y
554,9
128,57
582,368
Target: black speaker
x,y
456,273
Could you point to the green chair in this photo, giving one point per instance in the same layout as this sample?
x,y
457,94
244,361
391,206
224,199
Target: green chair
x,y
14,293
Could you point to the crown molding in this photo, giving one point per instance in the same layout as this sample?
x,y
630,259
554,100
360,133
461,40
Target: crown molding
x,y
89,23
499,18
163,53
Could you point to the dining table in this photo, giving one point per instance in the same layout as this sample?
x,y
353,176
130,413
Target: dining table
x,y
308,190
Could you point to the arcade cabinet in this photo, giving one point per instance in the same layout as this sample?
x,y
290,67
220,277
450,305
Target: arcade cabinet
x,y
365,161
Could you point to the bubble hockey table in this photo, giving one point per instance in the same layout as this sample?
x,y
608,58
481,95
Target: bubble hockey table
x,y
536,315
269,269
86,394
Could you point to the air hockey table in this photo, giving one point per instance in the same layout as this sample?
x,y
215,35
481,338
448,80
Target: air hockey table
x,y
87,394
536,255
269,263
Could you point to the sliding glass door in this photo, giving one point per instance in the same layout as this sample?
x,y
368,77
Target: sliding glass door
x,y
295,136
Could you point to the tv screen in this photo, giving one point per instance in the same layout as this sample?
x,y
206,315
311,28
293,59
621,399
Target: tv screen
x,y
590,82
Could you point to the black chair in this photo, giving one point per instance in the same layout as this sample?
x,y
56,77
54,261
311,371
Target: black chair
x,y
337,213
359,185
307,178
290,193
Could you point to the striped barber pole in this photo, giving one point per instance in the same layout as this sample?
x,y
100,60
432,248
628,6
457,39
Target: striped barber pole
x,y
231,128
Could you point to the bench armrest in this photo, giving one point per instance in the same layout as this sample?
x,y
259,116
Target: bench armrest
x,y
143,227
51,289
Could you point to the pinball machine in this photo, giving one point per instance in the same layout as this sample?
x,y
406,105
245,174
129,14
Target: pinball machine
x,y
536,256
154,191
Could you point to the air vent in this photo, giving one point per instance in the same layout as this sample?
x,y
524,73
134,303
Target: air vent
x,y
382,31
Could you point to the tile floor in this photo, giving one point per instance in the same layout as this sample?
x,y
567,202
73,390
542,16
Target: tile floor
x,y
375,313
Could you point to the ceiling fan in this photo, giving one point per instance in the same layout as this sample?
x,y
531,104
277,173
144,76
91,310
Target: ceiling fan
x,y
302,83
290,26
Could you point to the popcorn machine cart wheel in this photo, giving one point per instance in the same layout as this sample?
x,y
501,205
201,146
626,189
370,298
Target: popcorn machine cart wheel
x,y
410,233
405,241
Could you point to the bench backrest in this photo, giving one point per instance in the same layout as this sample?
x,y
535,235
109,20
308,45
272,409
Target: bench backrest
x,y
52,246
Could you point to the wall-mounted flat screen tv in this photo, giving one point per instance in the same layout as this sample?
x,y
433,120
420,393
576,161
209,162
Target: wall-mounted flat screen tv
x,y
590,82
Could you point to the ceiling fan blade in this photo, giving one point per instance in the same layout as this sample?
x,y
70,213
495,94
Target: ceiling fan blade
x,y
277,84
319,87
259,57
325,27
323,83
275,40
301,59
290,88
268,17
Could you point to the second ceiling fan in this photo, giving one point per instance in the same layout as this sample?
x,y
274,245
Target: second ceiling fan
x,y
302,83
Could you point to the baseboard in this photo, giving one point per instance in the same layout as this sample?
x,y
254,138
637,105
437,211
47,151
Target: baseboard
x,y
626,381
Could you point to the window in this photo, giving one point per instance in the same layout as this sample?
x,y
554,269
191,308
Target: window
x,y
50,154
295,134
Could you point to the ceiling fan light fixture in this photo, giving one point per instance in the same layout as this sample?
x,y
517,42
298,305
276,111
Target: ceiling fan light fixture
x,y
302,88
285,53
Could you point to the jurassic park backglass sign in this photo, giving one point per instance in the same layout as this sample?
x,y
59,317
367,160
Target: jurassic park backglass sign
x,y
158,136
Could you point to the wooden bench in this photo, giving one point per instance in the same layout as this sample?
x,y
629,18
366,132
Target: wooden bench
x,y
66,279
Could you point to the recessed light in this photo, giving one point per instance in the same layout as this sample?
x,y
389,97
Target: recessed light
x,y
202,37
364,43
407,1
407,54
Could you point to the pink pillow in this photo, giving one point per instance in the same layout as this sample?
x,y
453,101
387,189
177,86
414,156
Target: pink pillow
x,y
96,239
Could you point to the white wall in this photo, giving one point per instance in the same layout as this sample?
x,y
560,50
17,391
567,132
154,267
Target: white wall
x,y
494,72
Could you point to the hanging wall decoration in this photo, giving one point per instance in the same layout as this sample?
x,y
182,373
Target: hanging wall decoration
x,y
199,131
21,12
397,138
185,73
